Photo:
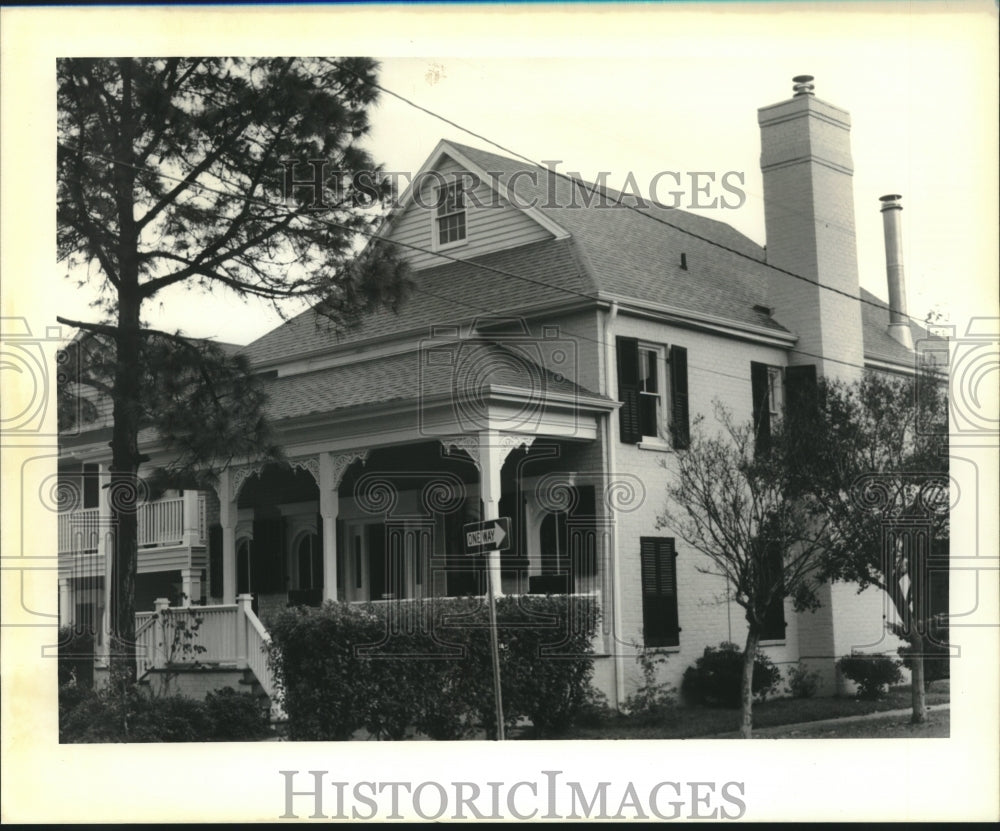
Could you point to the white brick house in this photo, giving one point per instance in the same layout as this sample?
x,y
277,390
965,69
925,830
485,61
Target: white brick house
x,y
553,352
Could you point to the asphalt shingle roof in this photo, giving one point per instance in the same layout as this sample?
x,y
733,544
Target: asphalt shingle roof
x,y
614,250
411,376
639,256
547,272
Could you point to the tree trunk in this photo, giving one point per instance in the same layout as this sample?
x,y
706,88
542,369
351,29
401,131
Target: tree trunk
x,y
123,499
125,456
918,691
746,693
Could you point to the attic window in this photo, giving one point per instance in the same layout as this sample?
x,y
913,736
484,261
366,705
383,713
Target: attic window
x,y
450,214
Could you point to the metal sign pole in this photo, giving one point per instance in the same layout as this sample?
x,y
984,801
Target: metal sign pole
x,y
495,649
490,537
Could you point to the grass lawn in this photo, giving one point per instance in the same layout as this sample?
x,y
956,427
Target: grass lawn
x,y
703,722
937,726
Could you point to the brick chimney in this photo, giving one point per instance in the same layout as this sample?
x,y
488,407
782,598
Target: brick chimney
x,y
809,220
899,324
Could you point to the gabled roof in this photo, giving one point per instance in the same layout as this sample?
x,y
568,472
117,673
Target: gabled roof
x,y
614,252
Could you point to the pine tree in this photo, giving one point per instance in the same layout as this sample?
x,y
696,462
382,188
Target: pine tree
x,y
182,172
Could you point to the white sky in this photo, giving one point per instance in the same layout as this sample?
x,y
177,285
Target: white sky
x,y
682,96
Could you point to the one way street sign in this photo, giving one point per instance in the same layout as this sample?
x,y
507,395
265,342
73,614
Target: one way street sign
x,y
492,535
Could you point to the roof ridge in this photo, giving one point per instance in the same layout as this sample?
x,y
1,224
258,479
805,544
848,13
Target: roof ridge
x,y
605,190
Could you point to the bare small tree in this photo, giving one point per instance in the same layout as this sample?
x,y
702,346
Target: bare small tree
x,y
737,501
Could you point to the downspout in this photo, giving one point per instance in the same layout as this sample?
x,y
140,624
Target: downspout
x,y
610,446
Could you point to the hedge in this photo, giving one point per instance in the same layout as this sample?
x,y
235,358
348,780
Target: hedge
x,y
426,666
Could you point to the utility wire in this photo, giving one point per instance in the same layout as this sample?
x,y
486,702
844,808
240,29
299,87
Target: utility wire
x,y
618,201
451,300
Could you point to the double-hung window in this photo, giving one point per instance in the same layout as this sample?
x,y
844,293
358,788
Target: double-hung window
x,y
652,403
450,216
768,388
652,386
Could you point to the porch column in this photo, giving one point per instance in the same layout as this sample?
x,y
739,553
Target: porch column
x,y
243,609
160,605
329,508
65,602
191,528
332,467
227,519
491,458
191,586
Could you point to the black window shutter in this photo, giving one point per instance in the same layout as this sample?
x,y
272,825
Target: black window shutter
x,y
761,405
801,390
801,403
658,559
91,486
215,561
679,419
774,615
628,390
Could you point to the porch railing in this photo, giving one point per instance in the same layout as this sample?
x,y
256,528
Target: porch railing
x,y
145,642
225,635
78,530
161,523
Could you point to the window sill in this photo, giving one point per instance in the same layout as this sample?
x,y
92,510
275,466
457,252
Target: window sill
x,y
655,445
448,246
776,642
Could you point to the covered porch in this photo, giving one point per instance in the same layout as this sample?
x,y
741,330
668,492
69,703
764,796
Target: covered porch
x,y
386,523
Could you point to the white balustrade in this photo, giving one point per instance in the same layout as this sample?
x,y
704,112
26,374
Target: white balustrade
x,y
78,531
231,635
160,523
145,642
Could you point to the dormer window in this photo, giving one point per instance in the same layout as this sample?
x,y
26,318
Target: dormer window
x,y
450,214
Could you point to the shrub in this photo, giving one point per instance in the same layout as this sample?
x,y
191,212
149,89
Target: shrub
x,y
426,665
170,718
76,657
132,715
716,677
655,701
872,674
237,716
594,711
936,661
801,682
